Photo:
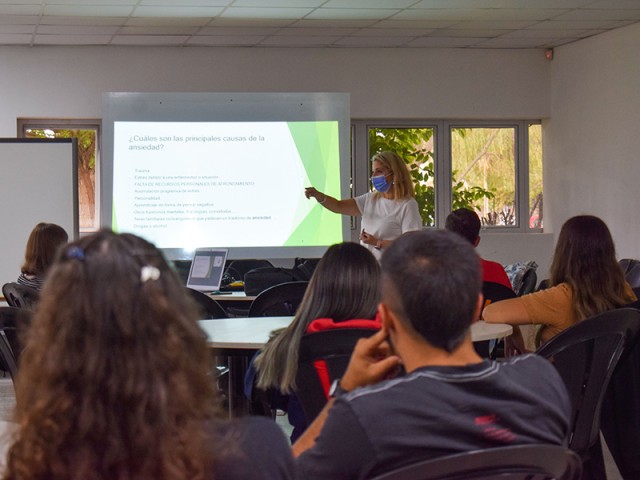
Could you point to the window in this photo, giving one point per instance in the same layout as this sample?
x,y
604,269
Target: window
x,y
494,168
88,134
484,173
416,147
535,176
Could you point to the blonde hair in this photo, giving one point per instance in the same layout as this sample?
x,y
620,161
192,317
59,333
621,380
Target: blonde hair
x,y
402,182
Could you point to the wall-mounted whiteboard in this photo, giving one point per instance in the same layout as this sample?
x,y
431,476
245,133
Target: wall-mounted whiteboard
x,y
38,183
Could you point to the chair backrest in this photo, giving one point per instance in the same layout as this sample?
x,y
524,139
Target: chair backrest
x,y
279,300
524,462
182,268
13,322
620,416
529,282
304,267
258,280
238,268
333,348
631,269
20,296
493,292
208,307
586,355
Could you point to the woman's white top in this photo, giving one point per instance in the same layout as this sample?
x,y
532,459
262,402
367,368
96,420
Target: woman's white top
x,y
387,219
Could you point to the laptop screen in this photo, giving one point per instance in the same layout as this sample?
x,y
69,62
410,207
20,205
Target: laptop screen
x,y
207,268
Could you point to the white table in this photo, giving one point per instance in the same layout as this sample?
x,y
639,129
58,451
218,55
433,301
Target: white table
x,y
482,330
240,338
253,332
232,296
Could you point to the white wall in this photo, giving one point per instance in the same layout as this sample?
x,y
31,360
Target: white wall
x,y
383,83
507,248
592,139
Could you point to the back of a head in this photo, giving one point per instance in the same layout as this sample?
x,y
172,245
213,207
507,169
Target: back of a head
x,y
585,258
42,245
116,361
401,176
432,280
465,222
344,285
581,239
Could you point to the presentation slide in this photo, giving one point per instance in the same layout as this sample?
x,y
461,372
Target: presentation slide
x,y
226,184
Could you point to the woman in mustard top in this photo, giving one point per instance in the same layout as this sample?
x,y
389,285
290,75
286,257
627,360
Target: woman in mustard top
x,y
585,280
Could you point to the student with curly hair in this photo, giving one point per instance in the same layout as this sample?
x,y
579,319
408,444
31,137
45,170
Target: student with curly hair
x,y
114,380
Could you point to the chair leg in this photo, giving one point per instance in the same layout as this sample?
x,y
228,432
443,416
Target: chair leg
x,y
593,464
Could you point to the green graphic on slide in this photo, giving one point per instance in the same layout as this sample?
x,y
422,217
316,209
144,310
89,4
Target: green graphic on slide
x,y
114,218
320,227
318,146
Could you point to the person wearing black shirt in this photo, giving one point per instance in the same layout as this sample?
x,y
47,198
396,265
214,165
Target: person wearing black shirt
x,y
450,400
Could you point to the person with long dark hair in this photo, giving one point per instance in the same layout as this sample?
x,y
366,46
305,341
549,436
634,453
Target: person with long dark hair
x,y
42,245
343,293
585,280
344,286
115,380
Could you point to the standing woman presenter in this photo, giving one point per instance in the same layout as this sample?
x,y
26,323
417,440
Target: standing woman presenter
x,y
387,212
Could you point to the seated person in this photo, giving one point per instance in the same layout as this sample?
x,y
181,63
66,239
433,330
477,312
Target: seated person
x,y
450,399
586,279
466,222
343,293
115,382
42,245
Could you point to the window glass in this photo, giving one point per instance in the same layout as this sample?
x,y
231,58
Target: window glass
x,y
483,162
535,176
87,158
416,147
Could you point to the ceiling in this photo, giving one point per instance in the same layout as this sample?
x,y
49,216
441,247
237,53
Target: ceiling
x,y
312,23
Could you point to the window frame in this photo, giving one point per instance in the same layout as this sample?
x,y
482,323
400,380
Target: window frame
x,y
69,123
361,167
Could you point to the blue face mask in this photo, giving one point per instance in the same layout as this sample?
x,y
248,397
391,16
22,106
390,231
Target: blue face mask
x,y
380,183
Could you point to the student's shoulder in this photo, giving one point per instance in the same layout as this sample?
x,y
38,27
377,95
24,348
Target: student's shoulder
x,y
557,295
246,430
260,425
251,448
531,368
526,361
535,373
387,391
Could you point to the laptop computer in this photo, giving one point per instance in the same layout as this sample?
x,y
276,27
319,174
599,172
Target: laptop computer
x,y
207,269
